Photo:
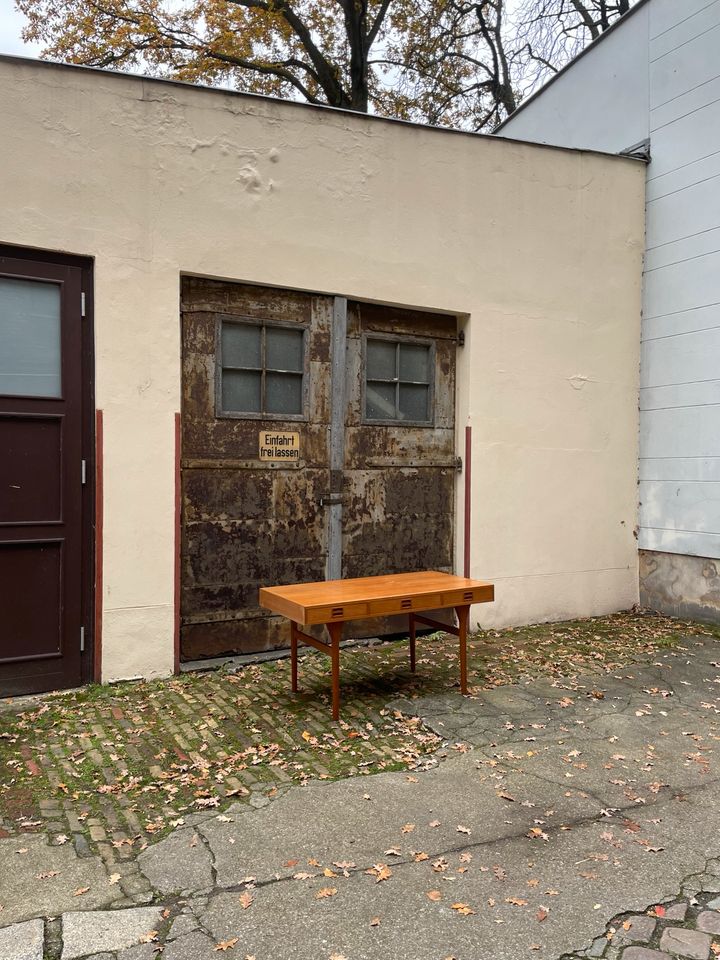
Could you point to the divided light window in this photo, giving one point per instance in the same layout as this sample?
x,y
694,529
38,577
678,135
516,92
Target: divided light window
x,y
261,369
398,380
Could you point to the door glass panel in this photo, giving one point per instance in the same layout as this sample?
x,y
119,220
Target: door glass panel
x,y
413,402
283,393
283,349
241,391
414,362
380,401
29,338
241,345
381,360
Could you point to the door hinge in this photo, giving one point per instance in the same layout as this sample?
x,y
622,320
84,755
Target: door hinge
x,y
82,639
82,304
83,472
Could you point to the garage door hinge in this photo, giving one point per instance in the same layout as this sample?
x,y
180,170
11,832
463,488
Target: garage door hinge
x,y
83,472
82,304
458,464
82,639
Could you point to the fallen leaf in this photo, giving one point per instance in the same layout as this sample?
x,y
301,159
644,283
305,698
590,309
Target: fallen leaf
x,y
114,878
506,796
408,828
80,891
542,914
375,922
462,829
434,895
338,956
463,909
326,892
516,901
659,911
47,874
226,944
380,871
291,863
148,937
419,857
303,876
245,899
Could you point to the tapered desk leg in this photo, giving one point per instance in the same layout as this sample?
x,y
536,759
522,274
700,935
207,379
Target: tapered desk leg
x,y
335,631
294,655
411,619
463,615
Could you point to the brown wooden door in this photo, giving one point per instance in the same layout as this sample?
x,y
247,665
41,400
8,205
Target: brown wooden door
x,y
372,390
256,361
41,475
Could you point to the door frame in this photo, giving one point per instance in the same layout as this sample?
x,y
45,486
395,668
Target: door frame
x,y
90,550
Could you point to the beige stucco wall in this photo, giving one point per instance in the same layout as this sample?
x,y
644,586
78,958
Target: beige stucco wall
x,y
539,248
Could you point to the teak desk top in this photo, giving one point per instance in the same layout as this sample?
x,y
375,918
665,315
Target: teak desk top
x,y
331,601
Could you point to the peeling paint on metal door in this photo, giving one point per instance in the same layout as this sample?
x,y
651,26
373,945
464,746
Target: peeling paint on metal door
x,y
247,523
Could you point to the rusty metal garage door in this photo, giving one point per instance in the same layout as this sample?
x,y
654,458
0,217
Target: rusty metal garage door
x,y
317,441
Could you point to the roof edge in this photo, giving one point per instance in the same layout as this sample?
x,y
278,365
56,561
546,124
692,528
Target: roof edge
x,y
36,62
571,63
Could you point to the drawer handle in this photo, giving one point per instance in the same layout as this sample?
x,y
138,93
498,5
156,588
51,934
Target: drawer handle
x,y
467,596
337,611
406,604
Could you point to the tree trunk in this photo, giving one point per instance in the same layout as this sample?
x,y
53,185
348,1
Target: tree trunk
x,y
357,31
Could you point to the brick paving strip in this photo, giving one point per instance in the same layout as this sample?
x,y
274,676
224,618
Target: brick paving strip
x,y
687,926
180,796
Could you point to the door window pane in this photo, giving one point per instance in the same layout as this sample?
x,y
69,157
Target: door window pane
x,y
414,362
241,390
261,369
283,393
241,345
398,380
381,361
29,338
380,401
284,349
413,402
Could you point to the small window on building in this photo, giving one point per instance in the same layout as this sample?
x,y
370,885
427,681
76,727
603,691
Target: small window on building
x,y
261,369
398,380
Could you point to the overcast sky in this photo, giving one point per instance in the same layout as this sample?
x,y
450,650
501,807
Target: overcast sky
x,y
11,23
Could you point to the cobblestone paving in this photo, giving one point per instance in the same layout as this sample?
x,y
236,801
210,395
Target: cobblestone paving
x,y
537,809
111,768
688,926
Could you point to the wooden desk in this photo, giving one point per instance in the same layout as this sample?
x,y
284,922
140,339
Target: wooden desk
x,y
333,602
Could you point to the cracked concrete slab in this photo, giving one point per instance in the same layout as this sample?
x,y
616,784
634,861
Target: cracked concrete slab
x,y
581,799
53,873
179,863
106,930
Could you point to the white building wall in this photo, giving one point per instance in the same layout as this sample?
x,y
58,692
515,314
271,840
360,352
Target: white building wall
x,y
657,75
539,248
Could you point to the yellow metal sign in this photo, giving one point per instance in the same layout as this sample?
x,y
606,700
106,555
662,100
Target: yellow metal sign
x,y
279,446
